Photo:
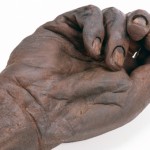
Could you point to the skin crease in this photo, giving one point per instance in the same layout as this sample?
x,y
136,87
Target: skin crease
x,y
75,78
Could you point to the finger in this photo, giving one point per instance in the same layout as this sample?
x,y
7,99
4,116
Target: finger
x,y
138,24
88,20
93,30
116,39
87,83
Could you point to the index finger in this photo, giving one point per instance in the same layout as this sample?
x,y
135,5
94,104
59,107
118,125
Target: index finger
x,y
88,20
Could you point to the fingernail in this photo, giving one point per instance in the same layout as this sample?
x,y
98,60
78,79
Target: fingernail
x,y
119,56
96,47
140,21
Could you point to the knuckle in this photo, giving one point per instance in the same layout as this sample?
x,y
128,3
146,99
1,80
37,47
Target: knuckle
x,y
92,8
140,11
111,9
60,18
113,14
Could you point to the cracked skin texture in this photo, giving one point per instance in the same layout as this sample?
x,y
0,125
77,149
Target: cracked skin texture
x,y
58,85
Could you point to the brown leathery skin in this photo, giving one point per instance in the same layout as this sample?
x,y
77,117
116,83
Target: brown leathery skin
x,y
55,88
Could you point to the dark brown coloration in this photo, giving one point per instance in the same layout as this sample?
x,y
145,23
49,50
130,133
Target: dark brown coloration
x,y
55,89
136,27
116,36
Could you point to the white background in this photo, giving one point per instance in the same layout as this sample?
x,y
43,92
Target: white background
x,y
19,18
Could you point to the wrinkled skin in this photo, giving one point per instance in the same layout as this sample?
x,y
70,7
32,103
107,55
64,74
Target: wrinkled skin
x,y
67,81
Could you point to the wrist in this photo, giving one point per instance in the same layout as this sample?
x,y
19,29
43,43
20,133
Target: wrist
x,y
16,126
49,129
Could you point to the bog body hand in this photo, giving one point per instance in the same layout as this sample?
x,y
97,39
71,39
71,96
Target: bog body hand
x,y
59,85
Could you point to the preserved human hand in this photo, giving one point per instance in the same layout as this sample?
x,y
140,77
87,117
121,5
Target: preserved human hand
x,y
58,87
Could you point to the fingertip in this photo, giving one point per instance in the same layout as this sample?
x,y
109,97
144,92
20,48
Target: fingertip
x,y
96,48
93,45
118,57
141,21
116,38
115,62
93,33
138,24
